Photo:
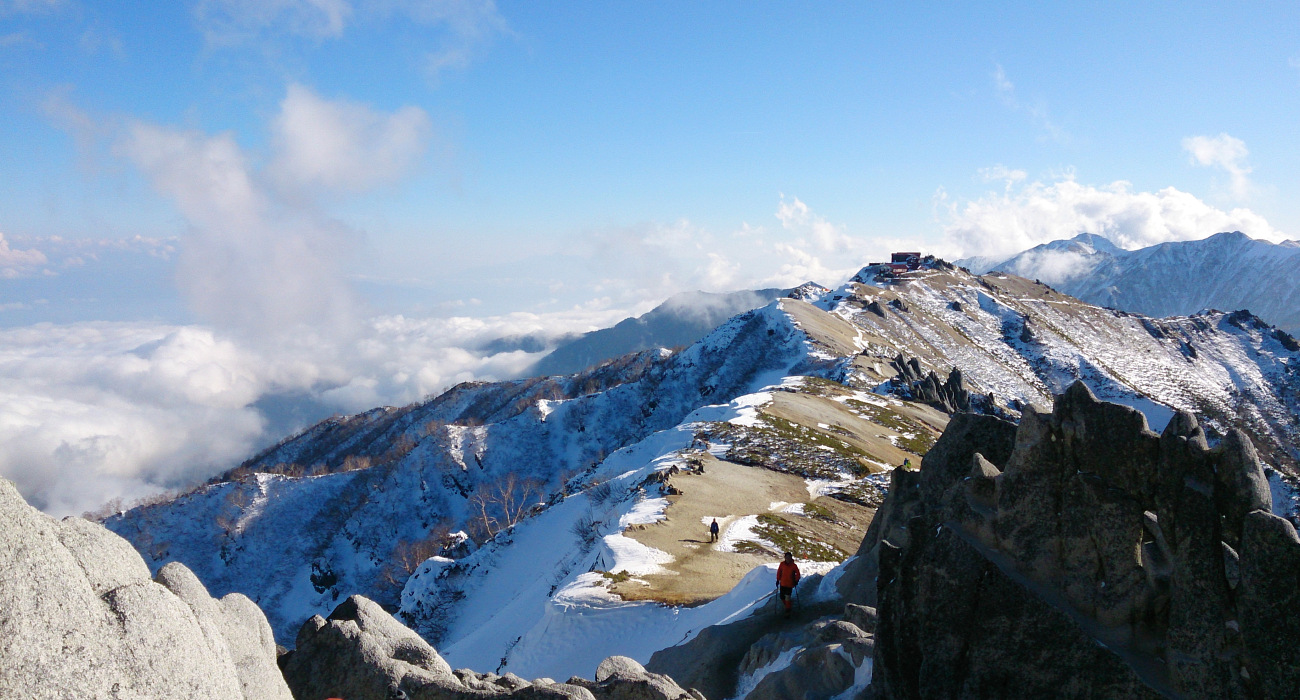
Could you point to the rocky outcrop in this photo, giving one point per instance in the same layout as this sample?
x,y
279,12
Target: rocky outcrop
x,y
966,434
820,653
830,654
81,618
714,660
950,395
808,291
622,678
362,653
1096,559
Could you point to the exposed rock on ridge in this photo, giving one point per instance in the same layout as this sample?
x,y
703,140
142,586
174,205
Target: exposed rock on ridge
x,y
1097,559
80,618
951,395
363,653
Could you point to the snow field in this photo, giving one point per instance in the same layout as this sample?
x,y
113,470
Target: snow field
x,y
535,602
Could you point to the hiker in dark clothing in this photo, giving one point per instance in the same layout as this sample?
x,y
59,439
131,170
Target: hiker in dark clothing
x,y
787,577
713,531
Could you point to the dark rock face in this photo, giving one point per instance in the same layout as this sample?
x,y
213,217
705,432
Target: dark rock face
x,y
1093,559
363,653
950,395
966,434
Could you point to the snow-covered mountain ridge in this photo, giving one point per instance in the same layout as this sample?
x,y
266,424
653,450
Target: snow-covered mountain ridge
x,y
1228,271
681,320
297,543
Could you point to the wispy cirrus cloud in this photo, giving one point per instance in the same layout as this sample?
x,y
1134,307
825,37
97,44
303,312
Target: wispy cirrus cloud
x,y
30,6
17,40
232,22
462,26
1036,110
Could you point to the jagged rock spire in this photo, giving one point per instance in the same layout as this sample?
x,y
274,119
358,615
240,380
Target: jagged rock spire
x,y
1096,559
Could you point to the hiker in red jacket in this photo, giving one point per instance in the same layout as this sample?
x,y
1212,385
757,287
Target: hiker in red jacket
x,y
787,577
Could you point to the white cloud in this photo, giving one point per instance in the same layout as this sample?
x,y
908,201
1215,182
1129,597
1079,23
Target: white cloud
x,y
19,263
1001,173
95,411
1052,266
644,264
208,177
1225,152
814,230
261,258
1007,223
344,145
251,264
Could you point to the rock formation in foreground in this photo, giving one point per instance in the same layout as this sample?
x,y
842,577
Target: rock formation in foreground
x,y
822,651
81,618
1094,558
363,653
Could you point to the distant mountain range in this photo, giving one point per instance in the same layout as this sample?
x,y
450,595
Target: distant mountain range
x,y
1227,271
679,321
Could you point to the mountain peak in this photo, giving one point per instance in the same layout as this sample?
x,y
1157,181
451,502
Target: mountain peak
x,y
1228,270
1097,242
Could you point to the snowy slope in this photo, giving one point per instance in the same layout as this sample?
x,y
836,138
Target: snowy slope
x,y
534,602
1021,340
296,544
1227,271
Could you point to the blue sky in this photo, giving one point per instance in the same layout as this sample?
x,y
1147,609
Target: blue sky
x,y
215,203
551,127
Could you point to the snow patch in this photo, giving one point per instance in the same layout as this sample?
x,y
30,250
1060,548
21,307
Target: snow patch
x,y
736,532
1286,496
635,558
645,512
750,681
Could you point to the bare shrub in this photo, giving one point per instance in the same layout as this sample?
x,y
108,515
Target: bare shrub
x,y
353,463
587,529
600,492
408,555
237,499
238,473
402,447
501,504
110,508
